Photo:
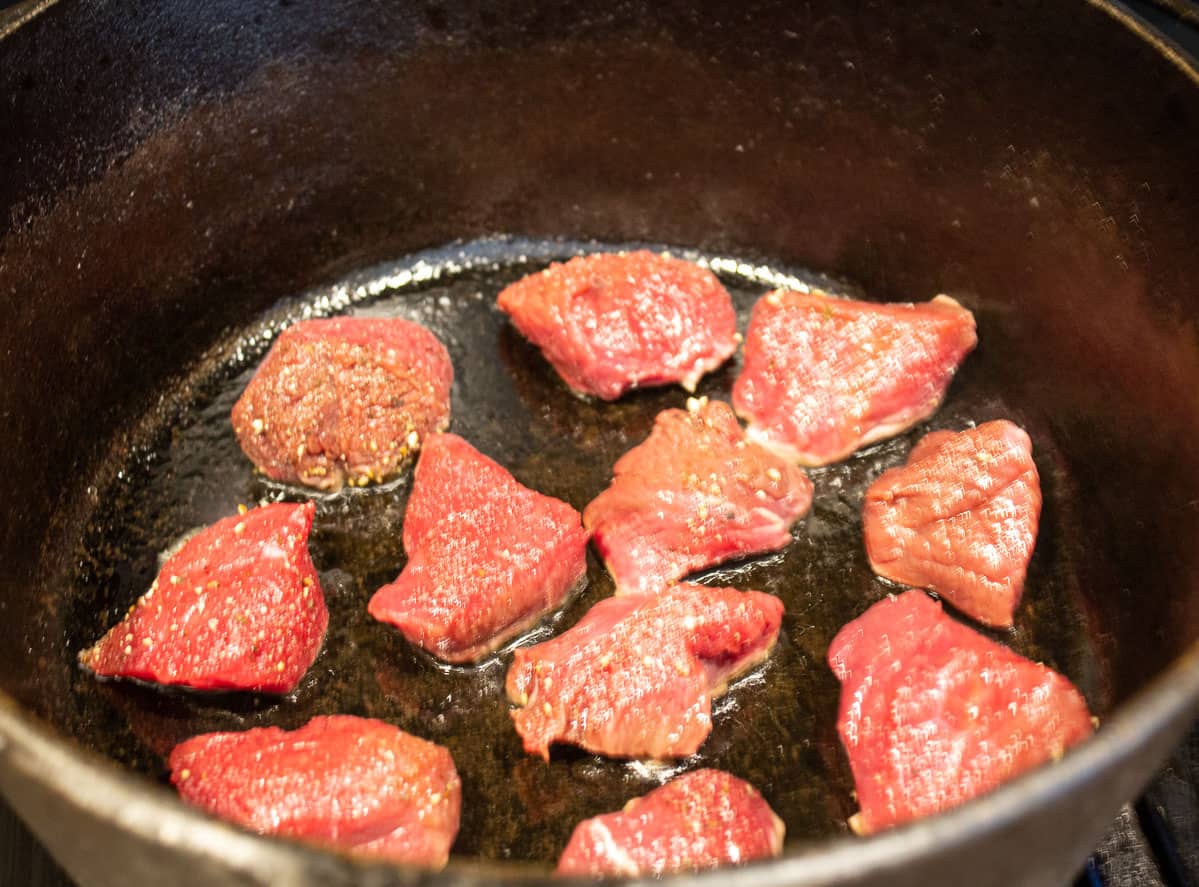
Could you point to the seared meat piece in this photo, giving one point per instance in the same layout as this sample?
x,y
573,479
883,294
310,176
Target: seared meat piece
x,y
825,376
354,784
238,607
701,820
344,401
610,322
636,676
487,557
959,518
694,494
933,713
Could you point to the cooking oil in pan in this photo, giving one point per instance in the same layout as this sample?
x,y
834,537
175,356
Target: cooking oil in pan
x,y
776,727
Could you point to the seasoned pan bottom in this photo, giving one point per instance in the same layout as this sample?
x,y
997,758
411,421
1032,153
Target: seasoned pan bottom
x,y
776,727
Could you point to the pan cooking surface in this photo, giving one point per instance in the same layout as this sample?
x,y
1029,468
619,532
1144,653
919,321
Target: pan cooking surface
x,y
776,727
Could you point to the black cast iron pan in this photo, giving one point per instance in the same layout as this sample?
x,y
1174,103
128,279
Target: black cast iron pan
x,y
180,182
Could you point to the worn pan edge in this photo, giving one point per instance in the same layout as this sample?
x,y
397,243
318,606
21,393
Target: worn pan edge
x,y
1128,748
1182,60
20,13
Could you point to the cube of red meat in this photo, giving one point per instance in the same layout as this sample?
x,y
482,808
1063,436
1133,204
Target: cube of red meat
x,y
238,607
701,820
825,376
636,676
345,400
960,518
353,784
933,713
696,493
609,322
487,557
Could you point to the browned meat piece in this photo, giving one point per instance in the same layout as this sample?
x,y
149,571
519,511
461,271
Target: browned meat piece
x,y
487,556
346,400
693,495
959,518
356,784
238,607
701,820
933,713
608,323
824,376
636,676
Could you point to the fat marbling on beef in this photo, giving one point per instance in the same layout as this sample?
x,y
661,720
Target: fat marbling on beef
x,y
700,820
694,494
610,322
345,400
934,713
238,607
636,676
487,556
960,518
355,784
825,376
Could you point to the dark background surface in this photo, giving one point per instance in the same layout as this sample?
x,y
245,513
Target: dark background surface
x,y
1154,843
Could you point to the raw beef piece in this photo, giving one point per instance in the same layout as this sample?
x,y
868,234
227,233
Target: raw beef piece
x,y
959,518
636,676
487,557
238,607
344,401
701,820
933,713
694,494
610,322
824,376
354,784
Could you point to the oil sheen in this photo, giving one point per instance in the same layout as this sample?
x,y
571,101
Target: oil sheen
x,y
775,727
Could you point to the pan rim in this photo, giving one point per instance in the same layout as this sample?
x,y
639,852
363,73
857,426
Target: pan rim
x,y
99,788
22,13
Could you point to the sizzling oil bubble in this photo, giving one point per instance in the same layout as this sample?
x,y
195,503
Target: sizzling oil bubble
x,y
775,727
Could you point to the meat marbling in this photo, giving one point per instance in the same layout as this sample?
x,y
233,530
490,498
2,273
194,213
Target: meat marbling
x,y
959,518
344,400
694,494
611,322
487,557
238,607
636,676
824,376
700,820
934,713
355,784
